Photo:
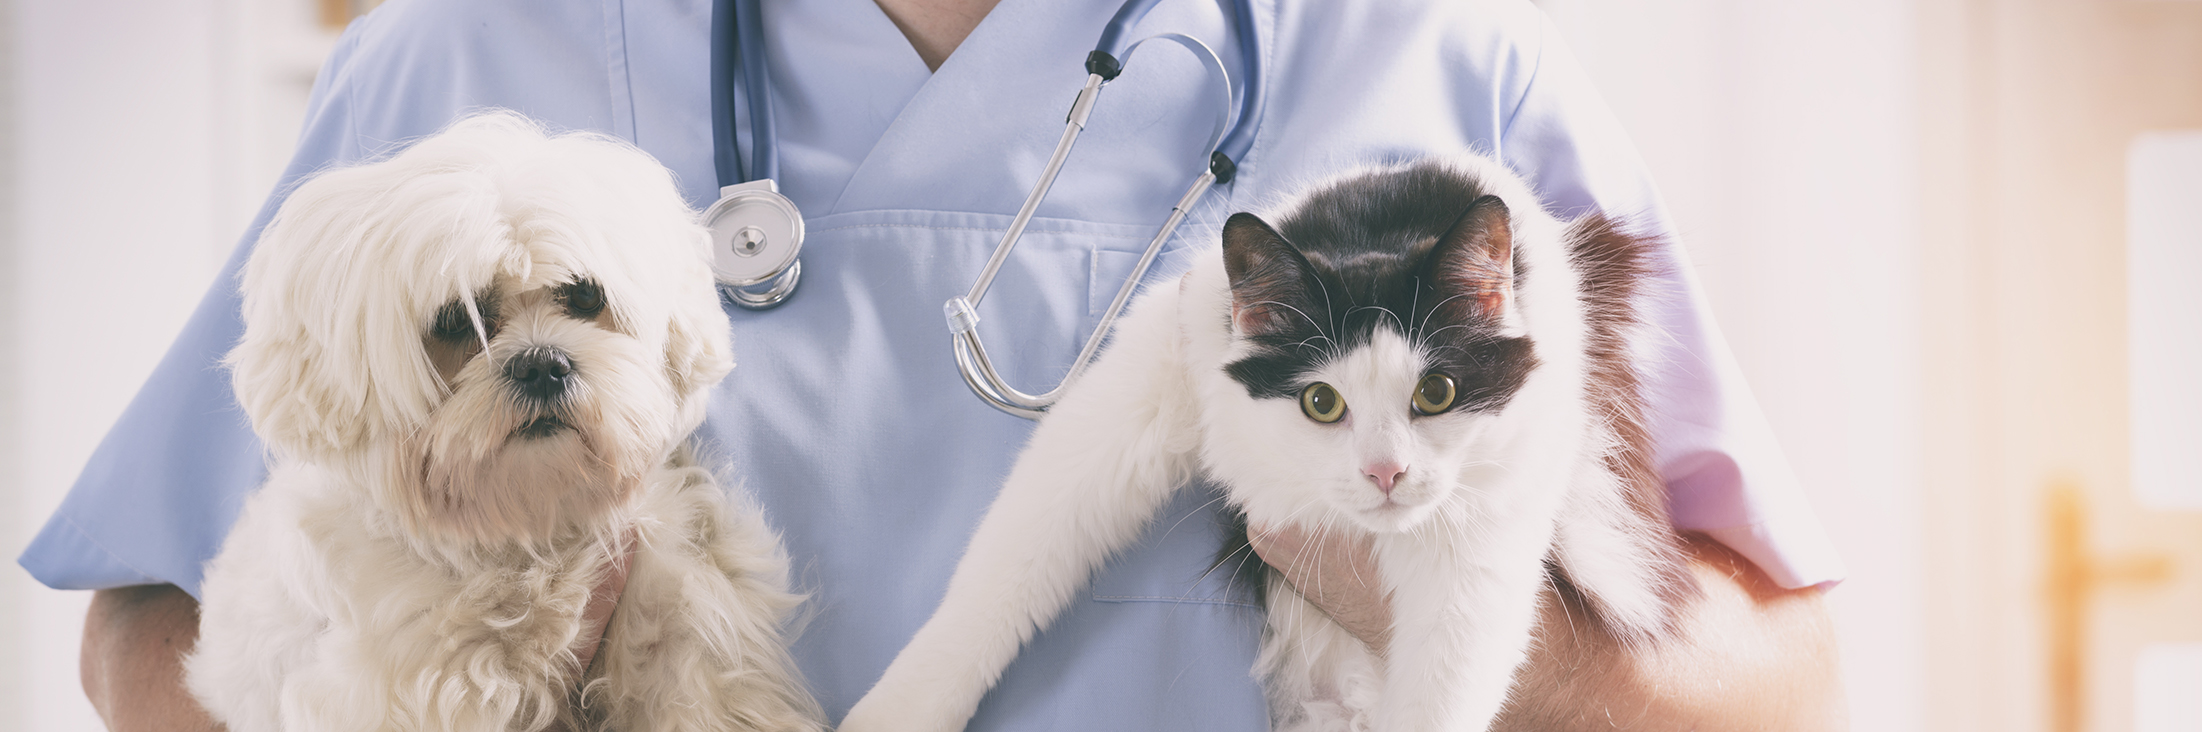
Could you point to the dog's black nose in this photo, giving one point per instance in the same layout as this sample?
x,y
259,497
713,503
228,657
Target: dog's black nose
x,y
540,373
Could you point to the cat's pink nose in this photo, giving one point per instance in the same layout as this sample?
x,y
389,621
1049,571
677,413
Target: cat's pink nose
x,y
1385,475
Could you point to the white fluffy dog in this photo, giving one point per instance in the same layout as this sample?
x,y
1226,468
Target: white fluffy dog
x,y
475,365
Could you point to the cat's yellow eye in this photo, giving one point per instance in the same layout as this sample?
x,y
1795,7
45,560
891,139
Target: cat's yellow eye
x,y
1322,403
1434,394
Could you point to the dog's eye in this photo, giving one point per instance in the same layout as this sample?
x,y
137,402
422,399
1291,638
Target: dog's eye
x,y
583,298
452,325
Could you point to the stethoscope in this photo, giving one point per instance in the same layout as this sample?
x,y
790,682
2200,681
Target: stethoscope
x,y
756,232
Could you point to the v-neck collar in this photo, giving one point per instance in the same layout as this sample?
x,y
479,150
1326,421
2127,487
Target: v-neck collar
x,y
975,137
864,126
977,112
841,73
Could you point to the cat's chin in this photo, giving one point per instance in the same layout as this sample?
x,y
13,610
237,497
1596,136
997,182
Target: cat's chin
x,y
1389,517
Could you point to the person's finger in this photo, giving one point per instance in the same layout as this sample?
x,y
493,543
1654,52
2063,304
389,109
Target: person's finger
x,y
1335,571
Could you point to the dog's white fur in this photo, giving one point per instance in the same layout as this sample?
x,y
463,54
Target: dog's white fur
x,y
417,559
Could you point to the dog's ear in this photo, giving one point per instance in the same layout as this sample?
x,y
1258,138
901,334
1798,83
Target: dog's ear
x,y
698,348
292,409
339,292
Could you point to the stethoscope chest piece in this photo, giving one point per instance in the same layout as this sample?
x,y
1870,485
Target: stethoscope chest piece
x,y
755,236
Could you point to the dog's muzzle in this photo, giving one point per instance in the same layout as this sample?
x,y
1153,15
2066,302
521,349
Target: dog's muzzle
x,y
541,374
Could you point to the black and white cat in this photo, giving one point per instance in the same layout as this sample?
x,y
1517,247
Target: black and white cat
x,y
1418,353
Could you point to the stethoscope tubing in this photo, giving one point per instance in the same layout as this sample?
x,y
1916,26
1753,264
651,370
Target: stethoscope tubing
x,y
1103,64
1252,85
978,369
738,62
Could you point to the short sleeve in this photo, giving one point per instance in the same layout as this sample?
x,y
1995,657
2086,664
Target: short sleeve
x,y
160,492
158,496
1726,476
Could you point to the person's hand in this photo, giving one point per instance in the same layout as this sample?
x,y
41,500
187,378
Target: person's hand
x,y
1747,654
1336,573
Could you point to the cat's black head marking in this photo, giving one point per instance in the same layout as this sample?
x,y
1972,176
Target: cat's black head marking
x,y
1422,251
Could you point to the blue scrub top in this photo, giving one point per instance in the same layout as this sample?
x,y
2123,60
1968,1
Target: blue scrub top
x,y
846,417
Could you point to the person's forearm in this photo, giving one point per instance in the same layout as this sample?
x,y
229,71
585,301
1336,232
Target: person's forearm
x,y
135,640
1749,655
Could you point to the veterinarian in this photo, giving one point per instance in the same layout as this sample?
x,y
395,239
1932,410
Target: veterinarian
x,y
907,137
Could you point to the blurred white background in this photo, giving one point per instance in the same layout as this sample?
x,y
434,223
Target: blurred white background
x,y
139,137
1784,137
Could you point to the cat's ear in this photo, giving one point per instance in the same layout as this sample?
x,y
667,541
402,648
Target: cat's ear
x,y
1473,264
1269,278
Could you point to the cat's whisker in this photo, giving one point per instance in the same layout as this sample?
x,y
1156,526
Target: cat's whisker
x,y
1414,305
1401,324
1435,333
1356,567
1315,539
1295,309
1195,512
1572,631
1295,513
1432,312
1310,339
1332,312
1288,521
1227,559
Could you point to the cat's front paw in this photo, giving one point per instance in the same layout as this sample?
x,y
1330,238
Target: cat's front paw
x,y
902,708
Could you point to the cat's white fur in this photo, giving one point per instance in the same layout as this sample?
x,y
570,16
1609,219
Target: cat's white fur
x,y
1461,549
413,561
